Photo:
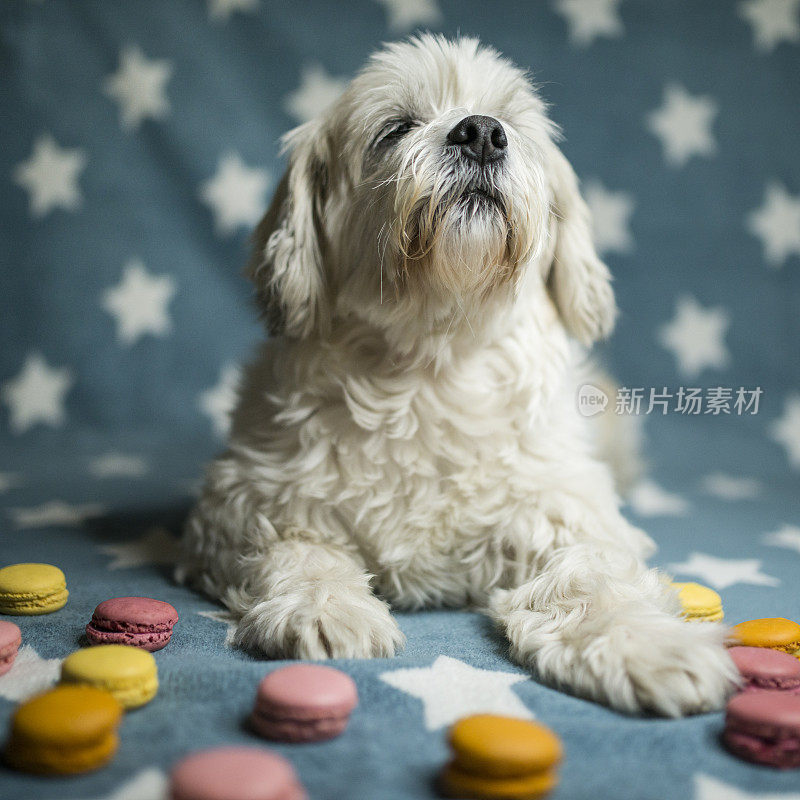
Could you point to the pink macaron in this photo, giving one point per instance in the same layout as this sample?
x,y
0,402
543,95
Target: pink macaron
x,y
235,773
303,703
10,640
138,621
764,727
762,668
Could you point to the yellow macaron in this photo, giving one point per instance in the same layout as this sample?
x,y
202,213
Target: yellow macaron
x,y
67,730
777,633
32,589
129,673
699,603
500,757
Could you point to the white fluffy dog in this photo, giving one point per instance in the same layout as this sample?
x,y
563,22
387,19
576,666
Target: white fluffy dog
x,y
409,434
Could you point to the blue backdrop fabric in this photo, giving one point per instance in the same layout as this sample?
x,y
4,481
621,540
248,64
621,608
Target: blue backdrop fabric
x,y
139,147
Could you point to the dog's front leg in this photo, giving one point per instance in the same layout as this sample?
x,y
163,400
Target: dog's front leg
x,y
595,621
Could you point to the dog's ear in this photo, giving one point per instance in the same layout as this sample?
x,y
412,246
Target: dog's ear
x,y
287,261
578,280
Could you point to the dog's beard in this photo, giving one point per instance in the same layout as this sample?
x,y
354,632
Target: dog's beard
x,y
463,234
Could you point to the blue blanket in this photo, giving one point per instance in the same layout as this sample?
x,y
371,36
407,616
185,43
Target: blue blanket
x,y
138,149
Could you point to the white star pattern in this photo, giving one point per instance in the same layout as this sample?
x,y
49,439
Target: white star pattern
x,y
55,514
405,15
683,124
236,194
730,487
139,303
36,395
590,19
708,788
157,546
148,784
8,480
773,22
611,213
29,675
648,499
696,337
786,536
451,689
50,176
316,92
724,572
786,429
139,86
117,465
777,224
222,9
218,402
226,618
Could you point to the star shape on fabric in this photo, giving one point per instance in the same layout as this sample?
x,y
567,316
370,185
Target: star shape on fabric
x,y
118,465
451,689
222,9
731,487
8,480
683,124
218,401
226,618
708,788
611,214
648,499
405,15
54,514
786,536
777,224
235,194
147,784
139,86
786,429
696,337
139,302
773,21
590,19
29,675
724,572
156,546
36,395
316,92
50,176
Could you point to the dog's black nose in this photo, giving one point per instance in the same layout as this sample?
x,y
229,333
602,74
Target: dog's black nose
x,y
480,138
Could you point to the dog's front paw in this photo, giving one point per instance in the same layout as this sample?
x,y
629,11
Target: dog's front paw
x,y
345,625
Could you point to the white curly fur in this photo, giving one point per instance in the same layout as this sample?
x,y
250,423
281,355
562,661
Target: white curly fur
x,y
409,434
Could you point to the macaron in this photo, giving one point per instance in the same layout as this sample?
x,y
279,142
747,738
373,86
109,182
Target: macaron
x,y
138,621
776,633
762,668
764,727
10,640
500,757
67,730
129,673
303,703
699,603
32,589
235,773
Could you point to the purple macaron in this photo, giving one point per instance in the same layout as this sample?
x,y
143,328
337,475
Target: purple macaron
x,y
764,727
303,703
138,621
763,668
10,640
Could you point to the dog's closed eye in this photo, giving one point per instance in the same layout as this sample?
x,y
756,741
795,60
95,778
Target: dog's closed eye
x,y
393,130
